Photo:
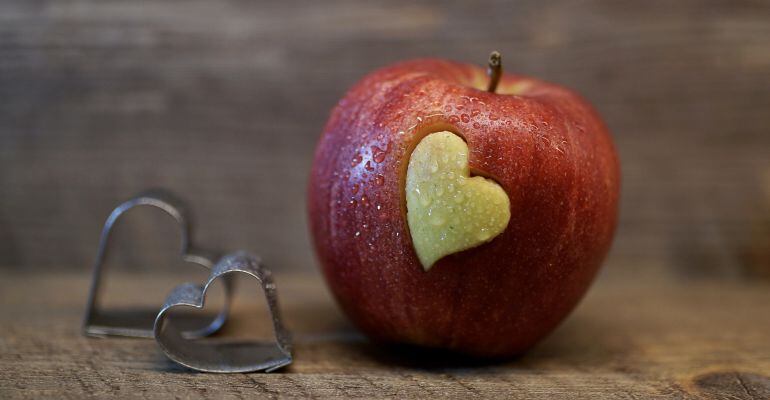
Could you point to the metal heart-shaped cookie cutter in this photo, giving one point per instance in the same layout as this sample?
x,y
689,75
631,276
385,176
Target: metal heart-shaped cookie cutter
x,y
215,356
180,338
138,323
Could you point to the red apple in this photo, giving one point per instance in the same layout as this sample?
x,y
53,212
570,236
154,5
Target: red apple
x,y
518,266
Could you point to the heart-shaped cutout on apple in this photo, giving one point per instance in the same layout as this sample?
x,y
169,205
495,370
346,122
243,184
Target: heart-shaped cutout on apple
x,y
448,210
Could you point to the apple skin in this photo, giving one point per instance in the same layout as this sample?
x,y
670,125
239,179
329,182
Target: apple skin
x,y
548,149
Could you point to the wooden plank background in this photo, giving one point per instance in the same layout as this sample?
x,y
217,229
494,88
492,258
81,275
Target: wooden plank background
x,y
223,101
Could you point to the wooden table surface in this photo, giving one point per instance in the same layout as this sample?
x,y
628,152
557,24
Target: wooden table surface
x,y
632,337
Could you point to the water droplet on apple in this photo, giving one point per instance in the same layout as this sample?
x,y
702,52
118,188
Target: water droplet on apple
x,y
425,200
465,118
355,188
378,154
368,166
365,201
493,117
356,160
437,220
483,234
379,180
475,113
476,125
353,203
434,166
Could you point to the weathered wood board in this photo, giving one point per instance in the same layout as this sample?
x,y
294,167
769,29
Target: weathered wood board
x,y
634,337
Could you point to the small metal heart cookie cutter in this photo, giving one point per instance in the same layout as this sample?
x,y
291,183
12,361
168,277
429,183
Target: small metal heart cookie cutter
x,y
212,356
181,337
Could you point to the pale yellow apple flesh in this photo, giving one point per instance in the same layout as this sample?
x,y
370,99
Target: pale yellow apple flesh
x,y
448,210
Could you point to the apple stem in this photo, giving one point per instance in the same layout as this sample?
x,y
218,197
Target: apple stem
x,y
494,70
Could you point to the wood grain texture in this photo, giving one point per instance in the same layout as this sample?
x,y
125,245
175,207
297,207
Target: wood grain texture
x,y
222,102
634,337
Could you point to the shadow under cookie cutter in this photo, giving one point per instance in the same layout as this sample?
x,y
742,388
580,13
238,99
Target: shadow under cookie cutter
x,y
139,323
180,338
